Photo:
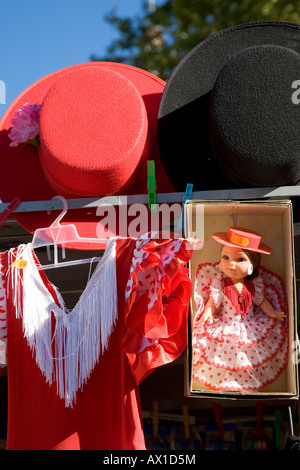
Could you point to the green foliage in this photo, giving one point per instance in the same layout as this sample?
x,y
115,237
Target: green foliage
x,y
158,39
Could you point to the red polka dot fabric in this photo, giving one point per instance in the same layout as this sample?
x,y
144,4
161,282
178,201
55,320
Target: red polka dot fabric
x,y
158,295
238,349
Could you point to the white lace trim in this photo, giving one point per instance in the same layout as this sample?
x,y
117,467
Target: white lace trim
x,y
69,355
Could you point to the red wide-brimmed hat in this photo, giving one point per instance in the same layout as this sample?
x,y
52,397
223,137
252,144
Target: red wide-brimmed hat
x,y
97,129
246,239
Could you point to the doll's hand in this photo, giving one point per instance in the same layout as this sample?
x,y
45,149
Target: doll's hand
x,y
208,312
279,315
268,309
206,316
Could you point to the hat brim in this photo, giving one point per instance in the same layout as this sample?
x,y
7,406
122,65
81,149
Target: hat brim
x,y
183,118
22,176
221,237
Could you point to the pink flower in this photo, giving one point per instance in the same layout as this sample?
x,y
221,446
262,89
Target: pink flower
x,y
25,125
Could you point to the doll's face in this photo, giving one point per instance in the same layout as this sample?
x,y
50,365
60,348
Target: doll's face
x,y
234,263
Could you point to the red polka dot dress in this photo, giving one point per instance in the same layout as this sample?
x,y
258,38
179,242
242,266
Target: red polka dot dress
x,y
240,348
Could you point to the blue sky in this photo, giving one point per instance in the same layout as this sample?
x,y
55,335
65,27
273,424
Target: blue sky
x,y
38,37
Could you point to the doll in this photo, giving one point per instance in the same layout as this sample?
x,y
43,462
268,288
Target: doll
x,y
240,340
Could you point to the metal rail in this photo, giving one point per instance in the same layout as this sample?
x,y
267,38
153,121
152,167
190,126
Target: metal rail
x,y
176,197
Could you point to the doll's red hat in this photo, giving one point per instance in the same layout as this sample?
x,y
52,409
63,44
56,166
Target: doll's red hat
x,y
246,239
97,129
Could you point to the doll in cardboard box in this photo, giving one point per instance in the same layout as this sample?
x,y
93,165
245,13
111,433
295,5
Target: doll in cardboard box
x,y
240,340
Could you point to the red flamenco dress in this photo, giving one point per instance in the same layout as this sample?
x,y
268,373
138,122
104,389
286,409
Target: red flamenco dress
x,y
240,348
73,375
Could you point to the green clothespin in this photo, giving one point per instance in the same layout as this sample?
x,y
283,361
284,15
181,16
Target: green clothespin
x,y
151,185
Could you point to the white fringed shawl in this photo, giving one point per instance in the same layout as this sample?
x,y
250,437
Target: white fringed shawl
x,y
80,336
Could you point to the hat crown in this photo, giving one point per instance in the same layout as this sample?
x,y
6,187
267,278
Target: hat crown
x,y
243,238
93,122
253,121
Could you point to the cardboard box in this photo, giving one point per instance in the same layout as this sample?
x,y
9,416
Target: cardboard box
x,y
273,220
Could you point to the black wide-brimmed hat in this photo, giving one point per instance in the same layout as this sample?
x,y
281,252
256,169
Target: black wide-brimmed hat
x,y
229,115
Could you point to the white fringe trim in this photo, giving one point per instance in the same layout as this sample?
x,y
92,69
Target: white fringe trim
x,y
69,355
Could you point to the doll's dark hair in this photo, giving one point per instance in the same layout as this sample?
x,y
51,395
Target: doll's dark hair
x,y
255,259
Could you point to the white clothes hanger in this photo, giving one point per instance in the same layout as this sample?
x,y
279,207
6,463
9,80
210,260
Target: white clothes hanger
x,y
57,234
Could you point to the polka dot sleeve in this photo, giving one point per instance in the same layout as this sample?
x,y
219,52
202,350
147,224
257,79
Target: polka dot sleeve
x,y
207,285
259,293
157,299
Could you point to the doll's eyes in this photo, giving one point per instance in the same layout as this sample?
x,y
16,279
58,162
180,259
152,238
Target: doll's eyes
x,y
240,260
